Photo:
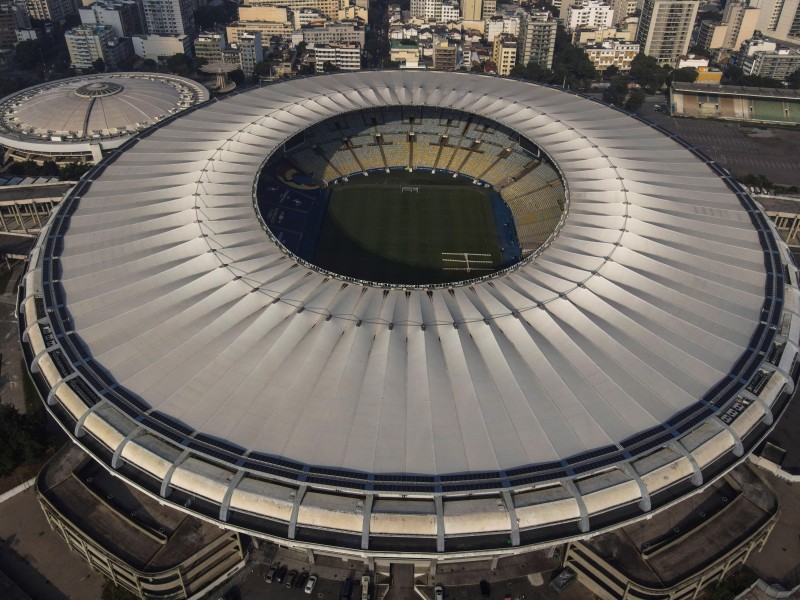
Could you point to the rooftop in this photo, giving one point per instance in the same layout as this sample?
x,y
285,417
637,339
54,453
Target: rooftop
x,y
94,107
736,90
130,525
681,540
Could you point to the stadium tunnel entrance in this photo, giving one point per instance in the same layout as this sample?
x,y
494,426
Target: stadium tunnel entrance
x,y
411,196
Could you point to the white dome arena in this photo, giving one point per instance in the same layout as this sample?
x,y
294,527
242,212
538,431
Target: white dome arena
x,y
83,117
642,353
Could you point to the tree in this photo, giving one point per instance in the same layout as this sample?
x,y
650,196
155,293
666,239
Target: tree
x,y
329,67
24,438
178,64
236,76
28,54
616,91
685,74
99,65
611,72
646,71
208,17
793,80
635,100
262,69
73,171
148,64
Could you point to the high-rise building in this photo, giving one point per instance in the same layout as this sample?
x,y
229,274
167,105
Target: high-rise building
x,y
88,43
8,26
779,19
209,46
589,13
123,16
504,53
739,22
446,56
537,39
250,51
426,9
50,10
169,17
346,57
334,32
665,28
450,11
471,10
160,47
329,8
765,58
268,30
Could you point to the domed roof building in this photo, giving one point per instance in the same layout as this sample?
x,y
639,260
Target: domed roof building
x,y
80,119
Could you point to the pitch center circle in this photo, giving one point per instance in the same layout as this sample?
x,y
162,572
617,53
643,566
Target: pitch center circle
x,y
410,196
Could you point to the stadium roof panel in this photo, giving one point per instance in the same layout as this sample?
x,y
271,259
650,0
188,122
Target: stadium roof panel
x,y
659,296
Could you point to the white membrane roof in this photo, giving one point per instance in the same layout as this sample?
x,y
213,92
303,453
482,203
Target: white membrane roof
x,y
643,302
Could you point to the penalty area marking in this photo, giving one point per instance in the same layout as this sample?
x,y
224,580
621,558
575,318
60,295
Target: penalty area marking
x,y
466,261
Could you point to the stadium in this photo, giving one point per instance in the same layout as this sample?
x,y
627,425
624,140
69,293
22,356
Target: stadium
x,y
631,338
82,118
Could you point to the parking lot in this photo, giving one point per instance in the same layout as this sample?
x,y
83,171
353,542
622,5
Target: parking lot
x,y
744,149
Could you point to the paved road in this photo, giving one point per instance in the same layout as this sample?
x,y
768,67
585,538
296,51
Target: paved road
x,y
37,559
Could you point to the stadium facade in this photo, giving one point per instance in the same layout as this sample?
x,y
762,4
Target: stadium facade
x,y
642,354
82,118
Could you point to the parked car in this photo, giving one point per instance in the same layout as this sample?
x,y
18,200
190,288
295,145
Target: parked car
x,y
269,576
486,589
280,574
301,580
438,593
312,581
291,578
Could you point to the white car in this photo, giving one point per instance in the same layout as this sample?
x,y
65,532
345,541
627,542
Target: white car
x,y
312,581
438,592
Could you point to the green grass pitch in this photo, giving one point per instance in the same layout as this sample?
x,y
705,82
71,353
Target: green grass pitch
x,y
374,230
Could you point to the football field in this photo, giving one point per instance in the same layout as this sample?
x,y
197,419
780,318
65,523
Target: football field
x,y
409,228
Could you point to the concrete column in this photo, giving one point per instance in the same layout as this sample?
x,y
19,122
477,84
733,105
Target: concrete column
x,y
310,556
298,499
165,489
697,478
495,559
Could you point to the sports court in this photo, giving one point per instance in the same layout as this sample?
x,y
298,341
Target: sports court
x,y
405,227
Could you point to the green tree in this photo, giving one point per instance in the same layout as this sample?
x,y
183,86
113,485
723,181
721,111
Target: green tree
x,y
178,64
611,72
646,71
793,80
208,17
635,100
28,54
262,69
685,74
236,76
24,438
99,65
73,171
329,67
616,92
